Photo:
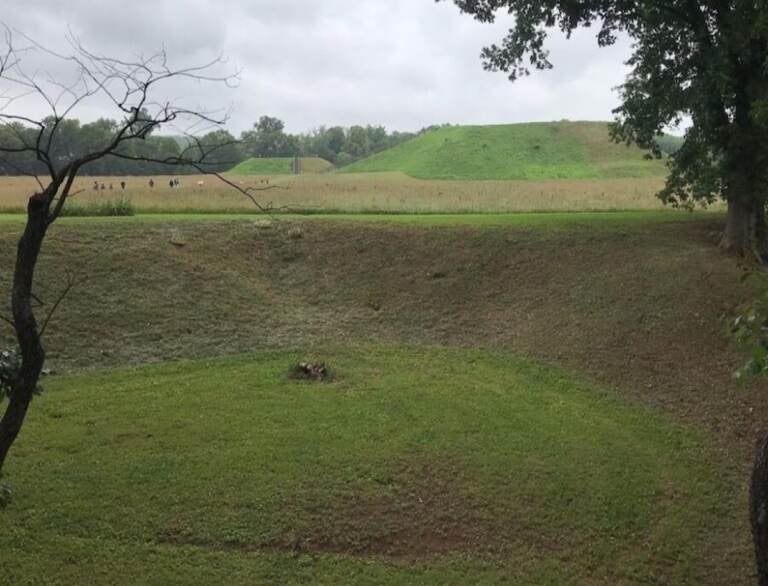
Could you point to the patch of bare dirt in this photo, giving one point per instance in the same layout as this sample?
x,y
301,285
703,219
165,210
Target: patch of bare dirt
x,y
423,511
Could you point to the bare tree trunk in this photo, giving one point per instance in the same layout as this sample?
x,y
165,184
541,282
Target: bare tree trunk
x,y
78,77
27,333
746,233
736,234
761,232
758,502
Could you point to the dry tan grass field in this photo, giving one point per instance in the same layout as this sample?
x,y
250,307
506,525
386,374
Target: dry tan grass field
x,y
391,192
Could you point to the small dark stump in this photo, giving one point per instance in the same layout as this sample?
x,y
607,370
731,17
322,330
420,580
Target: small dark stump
x,y
314,371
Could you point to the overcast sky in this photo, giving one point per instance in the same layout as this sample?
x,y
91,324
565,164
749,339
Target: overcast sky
x,y
401,63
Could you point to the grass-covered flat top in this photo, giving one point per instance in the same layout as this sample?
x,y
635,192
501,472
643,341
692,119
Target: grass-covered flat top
x,y
414,466
533,151
280,166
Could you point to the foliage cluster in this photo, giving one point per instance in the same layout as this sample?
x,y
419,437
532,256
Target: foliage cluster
x,y
74,138
10,363
341,146
698,62
267,139
749,328
122,206
9,368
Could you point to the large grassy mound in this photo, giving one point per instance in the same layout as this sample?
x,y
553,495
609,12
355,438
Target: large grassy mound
x,y
556,150
413,466
280,166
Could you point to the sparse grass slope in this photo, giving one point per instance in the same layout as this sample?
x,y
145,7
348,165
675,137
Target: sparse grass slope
x,y
280,166
534,151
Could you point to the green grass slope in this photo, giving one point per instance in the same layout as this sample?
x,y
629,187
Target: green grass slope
x,y
636,307
409,468
280,166
552,150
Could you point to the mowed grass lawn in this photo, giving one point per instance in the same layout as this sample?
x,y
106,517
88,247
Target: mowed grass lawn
x,y
415,465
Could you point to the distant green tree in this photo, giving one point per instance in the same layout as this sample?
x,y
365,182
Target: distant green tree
x,y
376,138
221,149
344,146
15,160
73,139
323,142
395,138
335,139
705,61
357,143
268,139
343,159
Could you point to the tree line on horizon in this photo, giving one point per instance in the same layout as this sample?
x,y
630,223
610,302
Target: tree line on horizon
x,y
336,144
266,139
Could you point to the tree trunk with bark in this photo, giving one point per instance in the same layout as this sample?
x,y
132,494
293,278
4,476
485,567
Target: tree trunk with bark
x,y
744,165
746,233
25,324
758,501
42,144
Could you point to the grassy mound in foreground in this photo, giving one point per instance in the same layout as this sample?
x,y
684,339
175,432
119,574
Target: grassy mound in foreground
x,y
280,166
552,150
413,466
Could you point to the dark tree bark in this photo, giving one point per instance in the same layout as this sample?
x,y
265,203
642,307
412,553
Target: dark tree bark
x,y
758,498
737,227
742,148
745,233
129,86
25,324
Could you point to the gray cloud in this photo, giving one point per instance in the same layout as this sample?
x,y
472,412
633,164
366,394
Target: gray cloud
x,y
401,63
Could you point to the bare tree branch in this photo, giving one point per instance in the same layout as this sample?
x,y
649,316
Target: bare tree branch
x,y
126,83
21,171
203,167
132,87
70,284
